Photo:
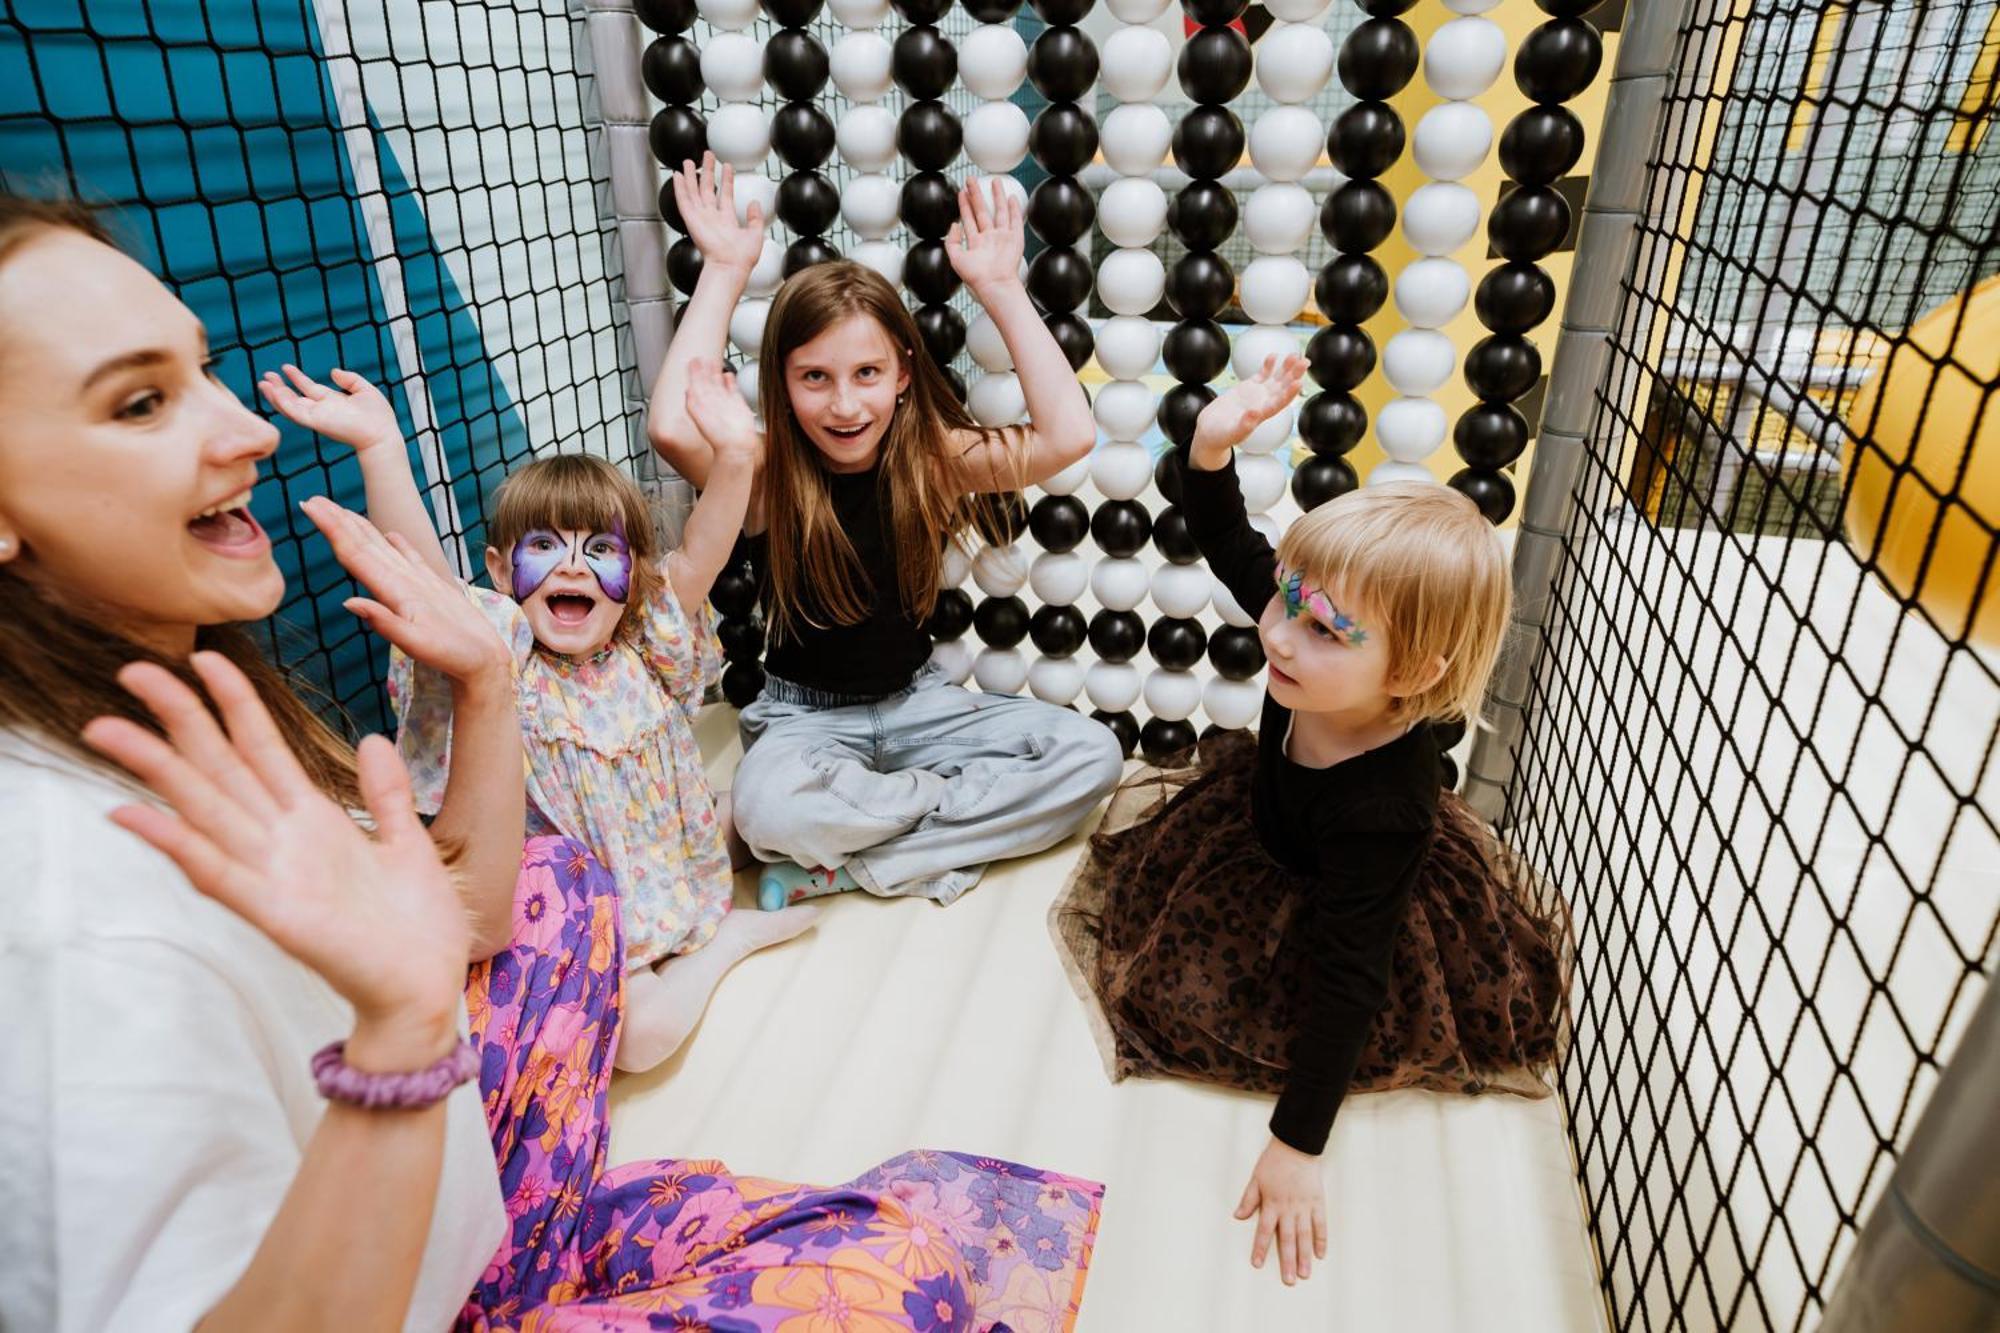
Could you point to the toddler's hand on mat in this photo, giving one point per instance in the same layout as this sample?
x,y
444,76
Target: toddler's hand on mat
x,y
1288,1199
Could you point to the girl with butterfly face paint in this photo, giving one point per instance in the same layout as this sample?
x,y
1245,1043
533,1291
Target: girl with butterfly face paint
x,y
612,648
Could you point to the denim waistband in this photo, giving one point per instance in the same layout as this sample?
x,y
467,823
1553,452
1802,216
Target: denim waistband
x,y
782,691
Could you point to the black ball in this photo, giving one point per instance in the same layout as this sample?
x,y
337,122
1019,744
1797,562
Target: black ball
x,y
1319,479
1541,144
1117,636
1167,744
672,70
992,11
1447,773
742,682
1333,422
793,13
923,63
1057,630
1195,350
1167,481
1200,285
668,16
683,265
1341,356
795,65
951,617
1055,13
1358,216
1121,527
1444,735
807,203
1062,64
929,204
1063,139
1350,289
741,637
1170,533
1567,9
1213,12
802,136
1490,435
1501,368
1514,298
1176,644
1529,222
1491,491
803,253
928,274
1378,58
1122,725
734,592
1072,333
1558,60
1203,215
1235,652
1059,522
1208,142
1059,279
670,213
955,382
943,332
922,11
1001,622
677,135
1180,406
1366,140
1060,210
1215,65
929,135
1388,9
1000,516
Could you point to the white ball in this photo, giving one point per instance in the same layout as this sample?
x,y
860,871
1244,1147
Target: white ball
x,y
1128,346
1112,686
1172,695
1121,470
1135,65
1066,481
992,60
740,134
996,137
1261,478
1267,528
1419,361
1132,211
868,205
957,565
1390,470
860,14
1000,670
1137,11
1270,434
866,137
1181,590
997,399
1232,704
1274,288
1256,343
1226,604
1056,680
1452,140
732,65
1430,292
1440,217
1131,282
769,272
1135,138
1410,429
1000,571
1120,584
1296,11
988,348
1125,409
1463,57
860,65
746,382
1009,187
1294,61
1286,143
754,187
1279,218
728,14
954,658
1058,578
746,325
1470,6
885,257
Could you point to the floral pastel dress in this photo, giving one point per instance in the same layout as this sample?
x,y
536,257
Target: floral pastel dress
x,y
612,762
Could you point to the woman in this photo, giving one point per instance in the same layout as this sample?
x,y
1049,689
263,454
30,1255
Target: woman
x,y
182,1156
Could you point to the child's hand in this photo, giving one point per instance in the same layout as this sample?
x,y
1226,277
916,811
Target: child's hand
x,y
985,244
707,199
353,412
1228,421
1288,1199
718,411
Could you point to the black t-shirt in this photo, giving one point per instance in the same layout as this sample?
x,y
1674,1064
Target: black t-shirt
x,y
879,653
1359,829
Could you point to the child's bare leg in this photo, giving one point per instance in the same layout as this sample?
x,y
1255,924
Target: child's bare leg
x,y
739,850
664,1002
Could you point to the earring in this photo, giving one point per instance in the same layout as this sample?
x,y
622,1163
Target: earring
x,y
6,547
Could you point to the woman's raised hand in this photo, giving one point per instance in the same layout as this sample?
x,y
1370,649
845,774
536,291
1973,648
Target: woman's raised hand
x,y
718,411
985,244
707,199
1228,421
377,917
352,410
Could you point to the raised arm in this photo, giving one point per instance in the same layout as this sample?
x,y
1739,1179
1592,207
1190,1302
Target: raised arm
x,y
724,420
1236,553
985,250
729,250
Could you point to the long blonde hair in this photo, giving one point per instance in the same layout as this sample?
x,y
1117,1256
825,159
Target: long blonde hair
x,y
926,499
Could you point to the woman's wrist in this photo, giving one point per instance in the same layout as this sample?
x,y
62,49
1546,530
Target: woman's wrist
x,y
491,682
411,1038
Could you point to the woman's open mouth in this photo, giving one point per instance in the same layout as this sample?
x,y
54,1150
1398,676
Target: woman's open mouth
x,y
847,432
228,528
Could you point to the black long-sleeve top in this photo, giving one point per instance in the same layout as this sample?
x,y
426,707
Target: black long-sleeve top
x,y
1359,830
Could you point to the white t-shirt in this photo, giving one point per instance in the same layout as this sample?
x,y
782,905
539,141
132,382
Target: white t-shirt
x,y
155,1094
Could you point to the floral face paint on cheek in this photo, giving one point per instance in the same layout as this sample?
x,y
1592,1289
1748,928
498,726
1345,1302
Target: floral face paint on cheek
x,y
1302,598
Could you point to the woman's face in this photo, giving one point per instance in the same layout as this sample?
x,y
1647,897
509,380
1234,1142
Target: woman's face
x,y
843,387
125,466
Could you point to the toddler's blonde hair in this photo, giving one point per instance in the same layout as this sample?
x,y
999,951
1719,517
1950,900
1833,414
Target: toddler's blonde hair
x,y
1418,564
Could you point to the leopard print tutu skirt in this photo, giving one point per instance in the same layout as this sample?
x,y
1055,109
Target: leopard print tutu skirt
x,y
1176,932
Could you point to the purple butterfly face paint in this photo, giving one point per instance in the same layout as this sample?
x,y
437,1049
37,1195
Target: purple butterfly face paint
x,y
542,551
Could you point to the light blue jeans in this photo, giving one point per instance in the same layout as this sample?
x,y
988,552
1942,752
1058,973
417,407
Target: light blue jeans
x,y
915,792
